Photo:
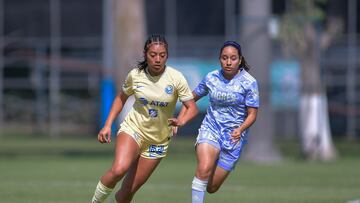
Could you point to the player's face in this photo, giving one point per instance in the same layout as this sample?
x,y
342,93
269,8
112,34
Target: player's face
x,y
230,61
156,58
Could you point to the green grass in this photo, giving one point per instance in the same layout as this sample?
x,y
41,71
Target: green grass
x,y
67,170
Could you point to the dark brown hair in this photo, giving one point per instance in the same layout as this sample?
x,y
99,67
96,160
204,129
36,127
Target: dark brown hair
x,y
153,39
237,46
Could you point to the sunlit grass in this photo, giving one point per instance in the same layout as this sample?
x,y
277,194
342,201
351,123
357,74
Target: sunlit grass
x,y
67,170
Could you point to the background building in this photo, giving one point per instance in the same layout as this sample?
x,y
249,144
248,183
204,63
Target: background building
x,y
51,59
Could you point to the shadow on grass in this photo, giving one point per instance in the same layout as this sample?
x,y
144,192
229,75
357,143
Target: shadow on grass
x,y
16,147
66,153
88,147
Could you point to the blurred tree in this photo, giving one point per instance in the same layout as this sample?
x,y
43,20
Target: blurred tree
x,y
123,36
129,35
302,36
257,51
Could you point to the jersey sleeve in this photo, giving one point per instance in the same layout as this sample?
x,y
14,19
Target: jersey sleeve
x,y
252,95
128,84
183,89
202,89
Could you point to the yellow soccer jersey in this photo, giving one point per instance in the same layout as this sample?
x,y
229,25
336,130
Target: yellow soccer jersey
x,y
155,100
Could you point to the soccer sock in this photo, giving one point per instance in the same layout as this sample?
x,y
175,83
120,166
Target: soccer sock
x,y
198,190
101,193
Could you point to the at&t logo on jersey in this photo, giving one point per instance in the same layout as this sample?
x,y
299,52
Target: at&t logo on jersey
x,y
145,102
169,89
159,103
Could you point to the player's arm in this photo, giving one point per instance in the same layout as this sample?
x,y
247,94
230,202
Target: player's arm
x,y
184,109
189,112
104,135
250,119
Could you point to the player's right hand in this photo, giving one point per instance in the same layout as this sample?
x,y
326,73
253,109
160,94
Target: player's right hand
x,y
104,135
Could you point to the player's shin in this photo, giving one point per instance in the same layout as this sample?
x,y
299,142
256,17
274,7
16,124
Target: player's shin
x,y
198,190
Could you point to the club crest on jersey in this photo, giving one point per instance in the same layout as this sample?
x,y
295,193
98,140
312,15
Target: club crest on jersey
x,y
153,113
169,89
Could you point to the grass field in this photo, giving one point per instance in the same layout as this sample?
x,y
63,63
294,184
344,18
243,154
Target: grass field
x,y
41,170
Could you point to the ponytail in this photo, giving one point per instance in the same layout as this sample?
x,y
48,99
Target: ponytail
x,y
244,64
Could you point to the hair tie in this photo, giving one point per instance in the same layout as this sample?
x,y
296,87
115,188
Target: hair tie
x,y
232,43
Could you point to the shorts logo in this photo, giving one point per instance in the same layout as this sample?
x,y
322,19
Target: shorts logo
x,y
169,89
153,113
143,101
158,149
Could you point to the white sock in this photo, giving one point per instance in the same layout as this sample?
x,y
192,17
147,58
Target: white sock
x,y
101,193
198,190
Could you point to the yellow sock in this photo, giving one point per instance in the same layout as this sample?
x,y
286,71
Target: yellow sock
x,y
101,193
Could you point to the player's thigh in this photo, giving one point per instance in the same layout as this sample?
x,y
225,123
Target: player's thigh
x,y
126,150
139,173
206,154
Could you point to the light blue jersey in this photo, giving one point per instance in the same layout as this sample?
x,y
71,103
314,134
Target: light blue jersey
x,y
227,111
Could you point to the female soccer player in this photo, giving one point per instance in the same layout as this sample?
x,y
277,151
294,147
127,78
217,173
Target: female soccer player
x,y
234,100
143,138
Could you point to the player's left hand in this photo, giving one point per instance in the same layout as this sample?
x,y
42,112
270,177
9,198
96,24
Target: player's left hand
x,y
236,135
175,123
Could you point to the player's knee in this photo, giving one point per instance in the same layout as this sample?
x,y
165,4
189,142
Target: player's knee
x,y
118,172
212,188
123,199
203,172
124,196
